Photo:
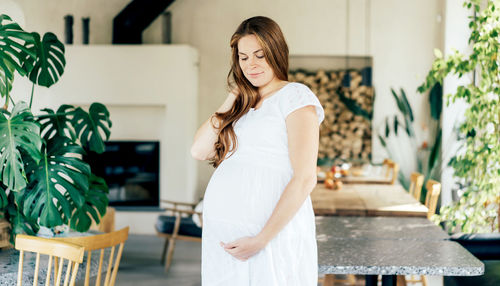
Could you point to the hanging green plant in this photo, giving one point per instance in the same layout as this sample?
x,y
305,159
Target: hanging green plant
x,y
477,165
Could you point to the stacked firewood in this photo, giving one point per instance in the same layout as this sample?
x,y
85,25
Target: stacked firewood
x,y
346,131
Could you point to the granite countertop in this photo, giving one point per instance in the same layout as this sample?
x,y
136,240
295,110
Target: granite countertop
x,y
396,257
390,246
393,228
9,265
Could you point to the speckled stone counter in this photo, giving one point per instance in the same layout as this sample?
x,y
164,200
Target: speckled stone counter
x,y
393,228
390,246
396,257
9,265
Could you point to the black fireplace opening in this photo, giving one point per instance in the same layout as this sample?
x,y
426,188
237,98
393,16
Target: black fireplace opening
x,y
131,170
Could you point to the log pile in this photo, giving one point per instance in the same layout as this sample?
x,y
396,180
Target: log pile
x,y
346,132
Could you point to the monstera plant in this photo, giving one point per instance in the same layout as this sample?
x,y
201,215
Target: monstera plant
x,y
44,180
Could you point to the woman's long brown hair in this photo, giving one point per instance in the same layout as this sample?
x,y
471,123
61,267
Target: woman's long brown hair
x,y
273,43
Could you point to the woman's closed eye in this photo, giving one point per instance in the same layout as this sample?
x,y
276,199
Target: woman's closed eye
x,y
259,57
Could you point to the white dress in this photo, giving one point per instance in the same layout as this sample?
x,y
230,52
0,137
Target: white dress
x,y
243,193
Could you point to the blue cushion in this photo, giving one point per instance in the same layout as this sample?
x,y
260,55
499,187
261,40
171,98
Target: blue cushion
x,y
165,224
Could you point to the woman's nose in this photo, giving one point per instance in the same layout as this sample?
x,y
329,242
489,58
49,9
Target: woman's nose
x,y
252,61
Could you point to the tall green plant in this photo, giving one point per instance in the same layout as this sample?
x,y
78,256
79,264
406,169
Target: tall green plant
x,y
478,164
44,178
402,124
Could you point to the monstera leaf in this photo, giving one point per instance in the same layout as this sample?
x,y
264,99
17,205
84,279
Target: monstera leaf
x,y
3,197
50,61
17,134
20,223
59,172
96,201
57,124
13,52
5,81
87,126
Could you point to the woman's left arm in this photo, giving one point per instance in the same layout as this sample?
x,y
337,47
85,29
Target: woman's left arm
x,y
303,136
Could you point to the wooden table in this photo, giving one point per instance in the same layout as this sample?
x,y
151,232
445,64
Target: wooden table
x,y
366,200
365,180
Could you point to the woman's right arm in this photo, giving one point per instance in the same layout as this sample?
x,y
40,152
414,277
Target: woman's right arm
x,y
206,136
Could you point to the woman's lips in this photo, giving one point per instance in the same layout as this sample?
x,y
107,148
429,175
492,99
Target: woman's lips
x,y
254,75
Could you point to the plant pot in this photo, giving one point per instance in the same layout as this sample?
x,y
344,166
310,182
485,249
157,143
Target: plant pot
x,y
60,230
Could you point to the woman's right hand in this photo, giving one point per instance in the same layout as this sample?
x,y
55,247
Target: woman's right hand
x,y
207,134
229,102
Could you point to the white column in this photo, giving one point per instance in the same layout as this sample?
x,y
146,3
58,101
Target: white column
x,y
456,36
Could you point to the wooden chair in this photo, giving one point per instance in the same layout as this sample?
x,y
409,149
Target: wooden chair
x,y
331,279
433,190
178,224
107,222
431,199
58,250
392,170
416,183
101,242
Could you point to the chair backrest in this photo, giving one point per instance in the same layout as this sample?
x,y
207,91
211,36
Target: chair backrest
x,y
433,190
416,183
385,166
392,170
56,250
107,222
102,242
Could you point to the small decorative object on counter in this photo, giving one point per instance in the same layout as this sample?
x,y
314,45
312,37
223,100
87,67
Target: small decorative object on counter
x,y
333,184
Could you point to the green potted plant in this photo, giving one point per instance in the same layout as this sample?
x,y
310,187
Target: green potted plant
x,y
44,180
478,165
402,127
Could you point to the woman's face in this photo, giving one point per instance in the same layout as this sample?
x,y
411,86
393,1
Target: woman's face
x,y
253,63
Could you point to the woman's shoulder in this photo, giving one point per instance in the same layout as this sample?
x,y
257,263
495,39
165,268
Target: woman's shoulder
x,y
296,90
297,86
298,95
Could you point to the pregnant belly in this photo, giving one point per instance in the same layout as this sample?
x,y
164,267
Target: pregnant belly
x,y
244,192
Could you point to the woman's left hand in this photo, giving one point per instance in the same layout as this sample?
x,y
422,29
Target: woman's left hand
x,y
244,248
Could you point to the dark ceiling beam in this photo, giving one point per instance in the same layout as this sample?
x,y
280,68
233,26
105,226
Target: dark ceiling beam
x,y
129,24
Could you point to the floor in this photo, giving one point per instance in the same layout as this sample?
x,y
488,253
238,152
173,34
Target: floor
x,y
140,264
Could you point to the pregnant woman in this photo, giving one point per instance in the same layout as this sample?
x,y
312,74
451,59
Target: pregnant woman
x,y
258,221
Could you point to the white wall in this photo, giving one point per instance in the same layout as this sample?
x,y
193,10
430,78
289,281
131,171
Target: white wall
x,y
48,16
404,35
